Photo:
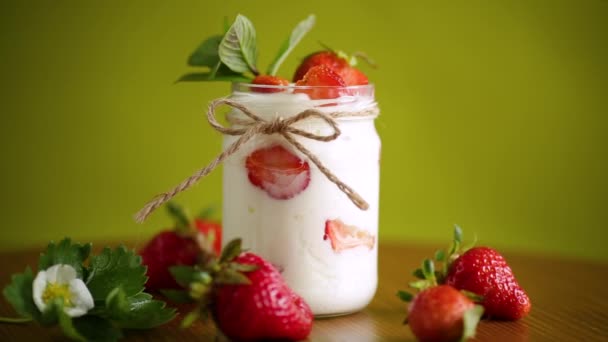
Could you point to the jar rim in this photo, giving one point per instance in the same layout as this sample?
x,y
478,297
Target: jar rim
x,y
241,86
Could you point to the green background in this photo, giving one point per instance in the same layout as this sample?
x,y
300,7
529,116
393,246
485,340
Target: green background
x,y
494,114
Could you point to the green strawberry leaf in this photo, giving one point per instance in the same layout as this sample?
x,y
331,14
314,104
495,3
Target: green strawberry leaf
x,y
206,54
19,294
231,250
238,48
116,304
184,275
405,296
96,329
418,273
290,43
65,253
471,319
65,322
178,214
177,296
145,312
116,267
440,255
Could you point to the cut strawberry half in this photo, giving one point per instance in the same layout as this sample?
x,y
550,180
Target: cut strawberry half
x,y
324,82
278,171
269,80
343,236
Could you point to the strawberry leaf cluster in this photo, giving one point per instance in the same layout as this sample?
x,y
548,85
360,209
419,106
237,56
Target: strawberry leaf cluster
x,y
115,279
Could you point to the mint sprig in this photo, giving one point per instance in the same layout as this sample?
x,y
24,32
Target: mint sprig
x,y
238,49
232,56
294,38
115,278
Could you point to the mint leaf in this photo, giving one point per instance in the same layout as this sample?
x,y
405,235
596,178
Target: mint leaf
x,y
19,294
206,77
296,36
238,48
96,329
206,54
65,253
116,267
145,313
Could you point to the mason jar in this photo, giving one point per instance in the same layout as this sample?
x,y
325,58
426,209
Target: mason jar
x,y
285,206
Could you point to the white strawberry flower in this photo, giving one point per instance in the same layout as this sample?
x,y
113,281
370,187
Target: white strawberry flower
x,y
60,281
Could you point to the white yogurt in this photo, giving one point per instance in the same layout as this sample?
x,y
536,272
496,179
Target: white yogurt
x,y
290,232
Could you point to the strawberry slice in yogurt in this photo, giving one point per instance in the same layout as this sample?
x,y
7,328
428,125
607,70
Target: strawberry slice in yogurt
x,y
343,236
277,171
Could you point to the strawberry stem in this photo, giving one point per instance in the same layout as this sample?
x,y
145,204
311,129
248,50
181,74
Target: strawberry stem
x,y
15,320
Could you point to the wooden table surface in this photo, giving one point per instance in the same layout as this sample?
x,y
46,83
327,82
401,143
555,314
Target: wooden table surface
x,y
569,303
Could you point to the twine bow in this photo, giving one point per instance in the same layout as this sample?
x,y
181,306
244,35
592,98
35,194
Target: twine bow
x,y
247,129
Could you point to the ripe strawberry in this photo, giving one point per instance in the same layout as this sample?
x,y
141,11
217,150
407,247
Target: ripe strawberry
x,y
167,248
353,76
344,236
182,245
262,310
324,80
328,58
270,81
336,62
484,271
277,171
438,314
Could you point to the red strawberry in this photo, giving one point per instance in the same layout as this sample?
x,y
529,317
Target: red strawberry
x,y
336,62
277,171
344,236
323,82
484,271
211,233
270,81
438,314
167,248
353,76
328,58
262,310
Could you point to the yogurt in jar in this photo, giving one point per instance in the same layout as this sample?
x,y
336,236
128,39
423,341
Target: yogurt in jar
x,y
287,211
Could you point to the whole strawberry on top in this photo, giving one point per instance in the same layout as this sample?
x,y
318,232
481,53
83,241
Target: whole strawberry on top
x,y
246,296
440,313
180,245
339,62
485,272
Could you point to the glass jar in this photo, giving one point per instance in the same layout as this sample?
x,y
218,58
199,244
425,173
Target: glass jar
x,y
288,211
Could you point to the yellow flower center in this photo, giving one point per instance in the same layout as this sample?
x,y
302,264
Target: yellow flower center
x,y
54,290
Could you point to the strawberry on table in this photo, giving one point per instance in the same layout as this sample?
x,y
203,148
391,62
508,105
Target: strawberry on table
x,y
269,80
484,271
438,314
180,245
277,171
246,297
323,82
266,308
